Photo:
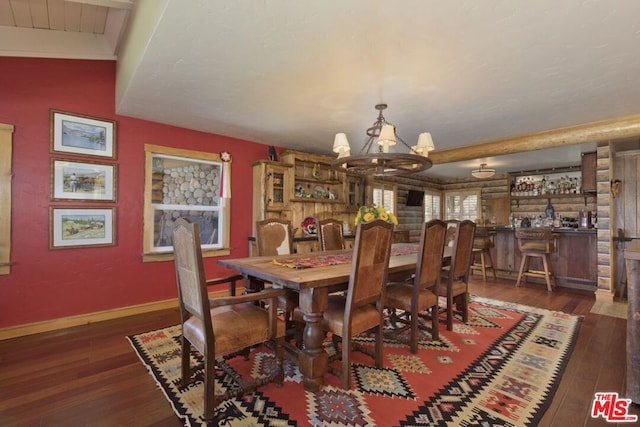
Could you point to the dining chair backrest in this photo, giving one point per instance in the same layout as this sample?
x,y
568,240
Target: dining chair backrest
x,y
241,323
274,236
370,264
330,235
429,262
190,277
462,250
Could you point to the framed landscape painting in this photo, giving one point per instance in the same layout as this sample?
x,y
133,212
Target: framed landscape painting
x,y
72,180
79,227
78,134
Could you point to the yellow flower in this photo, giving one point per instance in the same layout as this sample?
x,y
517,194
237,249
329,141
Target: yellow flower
x,y
370,213
393,219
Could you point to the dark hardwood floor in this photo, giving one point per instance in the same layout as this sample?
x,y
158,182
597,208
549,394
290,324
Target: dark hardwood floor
x,y
90,376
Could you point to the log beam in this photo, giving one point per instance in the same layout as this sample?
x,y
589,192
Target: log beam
x,y
618,128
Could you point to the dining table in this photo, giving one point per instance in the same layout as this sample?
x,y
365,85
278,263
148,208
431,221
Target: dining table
x,y
314,276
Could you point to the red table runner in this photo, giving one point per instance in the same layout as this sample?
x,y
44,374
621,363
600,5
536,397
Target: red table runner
x,y
326,260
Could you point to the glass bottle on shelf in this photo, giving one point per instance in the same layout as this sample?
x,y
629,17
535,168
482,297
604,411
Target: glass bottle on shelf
x,y
549,211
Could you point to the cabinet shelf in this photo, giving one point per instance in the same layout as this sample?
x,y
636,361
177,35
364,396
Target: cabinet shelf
x,y
551,196
318,181
315,200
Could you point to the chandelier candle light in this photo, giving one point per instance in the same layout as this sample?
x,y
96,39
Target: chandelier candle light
x,y
381,158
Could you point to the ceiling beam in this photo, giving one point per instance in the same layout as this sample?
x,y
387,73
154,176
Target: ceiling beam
x,y
618,128
116,4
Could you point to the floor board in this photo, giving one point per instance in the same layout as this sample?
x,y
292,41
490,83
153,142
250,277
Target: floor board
x,y
89,375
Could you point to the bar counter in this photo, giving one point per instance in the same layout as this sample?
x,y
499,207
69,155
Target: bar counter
x,y
574,262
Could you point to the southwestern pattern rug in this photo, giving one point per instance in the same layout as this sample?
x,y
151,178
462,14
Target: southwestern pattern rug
x,y
500,369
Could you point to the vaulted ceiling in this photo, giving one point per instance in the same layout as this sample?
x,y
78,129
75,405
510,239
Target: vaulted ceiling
x,y
293,73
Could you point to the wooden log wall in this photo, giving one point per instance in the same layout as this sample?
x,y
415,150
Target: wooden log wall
x,y
565,206
411,217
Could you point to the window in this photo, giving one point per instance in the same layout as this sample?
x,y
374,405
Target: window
x,y
185,184
6,138
385,195
432,205
462,205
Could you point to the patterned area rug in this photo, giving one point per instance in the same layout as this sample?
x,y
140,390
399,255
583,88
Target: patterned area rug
x,y
500,369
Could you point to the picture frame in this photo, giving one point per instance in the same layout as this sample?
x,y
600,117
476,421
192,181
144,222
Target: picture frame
x,y
80,134
91,181
81,227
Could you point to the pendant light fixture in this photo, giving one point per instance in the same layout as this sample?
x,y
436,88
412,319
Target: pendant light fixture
x,y
484,172
386,156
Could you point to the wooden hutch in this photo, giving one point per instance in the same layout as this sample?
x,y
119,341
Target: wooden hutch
x,y
304,185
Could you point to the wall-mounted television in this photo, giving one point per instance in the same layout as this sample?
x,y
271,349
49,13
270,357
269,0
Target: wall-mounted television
x,y
415,197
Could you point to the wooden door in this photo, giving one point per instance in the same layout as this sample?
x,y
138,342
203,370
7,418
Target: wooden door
x,y
625,211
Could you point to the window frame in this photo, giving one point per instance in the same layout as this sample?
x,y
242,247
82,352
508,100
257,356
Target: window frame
x,y
161,253
6,142
433,194
468,192
385,187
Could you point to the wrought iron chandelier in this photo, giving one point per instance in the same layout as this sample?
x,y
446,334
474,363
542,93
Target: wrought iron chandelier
x,y
380,159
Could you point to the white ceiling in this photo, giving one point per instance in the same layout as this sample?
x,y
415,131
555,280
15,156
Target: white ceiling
x,y
293,73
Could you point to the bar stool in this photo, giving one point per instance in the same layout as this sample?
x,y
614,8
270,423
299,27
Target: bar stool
x,y
537,243
482,244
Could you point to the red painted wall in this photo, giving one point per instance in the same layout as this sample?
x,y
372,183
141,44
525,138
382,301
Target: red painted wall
x,y
47,284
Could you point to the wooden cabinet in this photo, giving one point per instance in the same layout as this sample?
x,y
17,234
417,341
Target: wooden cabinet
x,y
574,262
304,185
589,165
556,183
271,188
313,178
354,192
530,194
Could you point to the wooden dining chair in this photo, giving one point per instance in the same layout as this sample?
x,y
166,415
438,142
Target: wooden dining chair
x,y
221,328
454,283
274,236
362,308
419,293
330,235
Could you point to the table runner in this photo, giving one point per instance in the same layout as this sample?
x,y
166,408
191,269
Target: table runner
x,y
326,260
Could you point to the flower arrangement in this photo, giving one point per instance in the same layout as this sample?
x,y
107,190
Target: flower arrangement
x,y
370,213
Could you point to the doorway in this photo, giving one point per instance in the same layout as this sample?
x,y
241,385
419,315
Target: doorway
x,y
625,226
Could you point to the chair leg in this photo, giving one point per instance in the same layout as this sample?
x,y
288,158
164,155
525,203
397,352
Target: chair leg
x,y
279,352
413,340
435,335
210,402
462,306
186,361
547,274
483,265
449,312
492,265
522,263
346,362
378,346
